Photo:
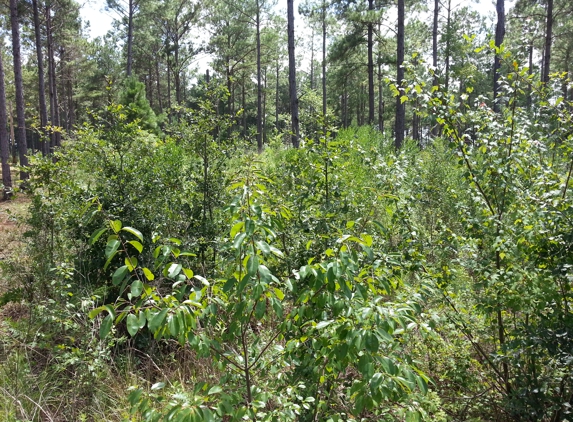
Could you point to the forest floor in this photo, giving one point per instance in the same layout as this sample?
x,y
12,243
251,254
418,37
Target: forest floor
x,y
12,249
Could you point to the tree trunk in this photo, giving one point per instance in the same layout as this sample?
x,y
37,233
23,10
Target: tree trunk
x,y
277,95
4,141
259,86
292,76
131,11
370,65
400,109
530,72
448,42
324,59
54,104
19,86
435,82
499,35
159,102
41,83
548,41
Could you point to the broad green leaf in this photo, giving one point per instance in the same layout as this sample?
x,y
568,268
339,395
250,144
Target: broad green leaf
x,y
131,263
371,342
229,284
279,294
157,386
261,308
137,245
136,288
239,240
119,275
105,326
148,274
115,225
132,323
235,229
188,273
174,270
134,232
263,246
323,324
97,234
111,248
252,265
156,321
216,389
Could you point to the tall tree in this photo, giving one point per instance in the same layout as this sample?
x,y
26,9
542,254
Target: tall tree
x,y
41,83
499,35
400,108
19,86
371,94
292,76
548,42
4,141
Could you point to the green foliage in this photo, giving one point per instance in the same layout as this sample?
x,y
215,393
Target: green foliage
x,y
137,108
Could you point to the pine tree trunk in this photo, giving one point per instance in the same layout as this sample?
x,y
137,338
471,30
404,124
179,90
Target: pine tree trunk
x,y
4,141
324,59
131,11
292,75
259,85
19,86
41,84
370,66
54,104
400,109
548,41
499,35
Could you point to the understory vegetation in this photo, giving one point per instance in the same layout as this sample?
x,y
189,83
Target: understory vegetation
x,y
176,275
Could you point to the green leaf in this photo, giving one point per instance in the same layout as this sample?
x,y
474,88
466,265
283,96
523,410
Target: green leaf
x,y
173,325
216,389
188,273
105,326
276,251
239,240
252,265
132,323
115,225
137,245
235,229
371,342
413,416
229,284
111,248
174,270
279,294
263,246
157,386
323,324
136,288
97,234
119,275
134,232
261,308
148,274
156,321
131,263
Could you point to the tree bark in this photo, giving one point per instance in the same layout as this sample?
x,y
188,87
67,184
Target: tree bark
x,y
400,109
259,86
19,86
324,59
292,76
41,84
4,141
499,35
370,65
548,41
131,11
54,103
